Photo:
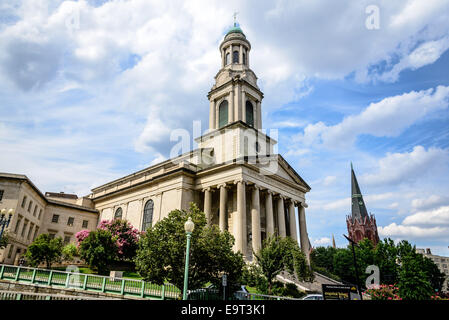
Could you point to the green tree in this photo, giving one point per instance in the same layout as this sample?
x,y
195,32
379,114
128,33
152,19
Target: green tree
x,y
69,252
4,240
161,252
413,280
282,254
99,250
323,257
44,249
435,276
386,257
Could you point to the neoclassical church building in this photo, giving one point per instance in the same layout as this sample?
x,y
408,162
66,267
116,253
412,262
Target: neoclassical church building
x,y
234,176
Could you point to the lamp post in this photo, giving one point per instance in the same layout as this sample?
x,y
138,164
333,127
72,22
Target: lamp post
x,y
4,223
188,227
355,266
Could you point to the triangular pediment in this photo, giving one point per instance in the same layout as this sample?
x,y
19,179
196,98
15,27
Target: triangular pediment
x,y
282,169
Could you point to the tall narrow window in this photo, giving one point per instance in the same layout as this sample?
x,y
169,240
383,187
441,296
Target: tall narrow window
x,y
249,113
223,114
235,57
24,201
147,215
228,58
118,213
244,58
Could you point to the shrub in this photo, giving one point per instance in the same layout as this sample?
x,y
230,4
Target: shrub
x,y
99,250
384,292
44,249
69,252
126,235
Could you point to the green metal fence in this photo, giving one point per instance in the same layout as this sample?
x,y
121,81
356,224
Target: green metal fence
x,y
11,295
88,282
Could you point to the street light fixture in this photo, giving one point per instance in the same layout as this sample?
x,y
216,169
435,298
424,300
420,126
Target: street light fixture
x,y
188,227
355,266
4,223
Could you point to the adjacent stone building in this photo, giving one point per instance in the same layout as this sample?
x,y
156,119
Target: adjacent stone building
x,y
60,215
235,175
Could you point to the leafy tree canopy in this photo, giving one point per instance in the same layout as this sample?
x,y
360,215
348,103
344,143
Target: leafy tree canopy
x,y
99,250
161,252
44,249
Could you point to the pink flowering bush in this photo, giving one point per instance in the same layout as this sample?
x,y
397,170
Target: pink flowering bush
x,y
126,237
439,296
383,292
80,236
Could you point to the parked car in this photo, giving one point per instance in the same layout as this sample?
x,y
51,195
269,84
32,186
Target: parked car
x,y
313,297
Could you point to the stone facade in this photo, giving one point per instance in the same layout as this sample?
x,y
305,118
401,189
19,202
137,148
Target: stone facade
x,y
35,214
235,176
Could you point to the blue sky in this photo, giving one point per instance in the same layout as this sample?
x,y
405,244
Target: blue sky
x,y
91,91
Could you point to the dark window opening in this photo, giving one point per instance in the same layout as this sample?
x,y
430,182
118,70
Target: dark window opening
x,y
235,57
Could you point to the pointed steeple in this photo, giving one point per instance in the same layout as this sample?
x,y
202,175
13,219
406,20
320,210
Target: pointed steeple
x,y
359,211
333,242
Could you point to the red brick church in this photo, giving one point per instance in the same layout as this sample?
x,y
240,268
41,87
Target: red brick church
x,y
360,224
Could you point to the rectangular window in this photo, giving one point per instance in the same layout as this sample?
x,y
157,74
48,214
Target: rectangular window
x,y
30,205
30,231
24,201
55,218
11,248
35,210
19,219
70,221
40,212
1,194
25,224
85,223
66,239
52,235
36,230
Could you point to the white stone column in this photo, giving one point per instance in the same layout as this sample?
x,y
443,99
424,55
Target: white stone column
x,y
259,115
303,237
223,206
292,215
240,229
243,106
255,220
208,205
281,216
238,102
269,213
212,115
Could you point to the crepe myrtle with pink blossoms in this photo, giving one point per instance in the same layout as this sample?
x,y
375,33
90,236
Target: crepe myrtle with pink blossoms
x,y
125,235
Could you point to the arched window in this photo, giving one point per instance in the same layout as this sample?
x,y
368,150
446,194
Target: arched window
x,y
235,57
147,215
223,114
228,58
249,113
118,213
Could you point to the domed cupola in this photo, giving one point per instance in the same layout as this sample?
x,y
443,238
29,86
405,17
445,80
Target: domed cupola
x,y
235,95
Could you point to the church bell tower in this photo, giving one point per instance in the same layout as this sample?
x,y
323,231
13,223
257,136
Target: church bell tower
x,y
235,114
235,95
